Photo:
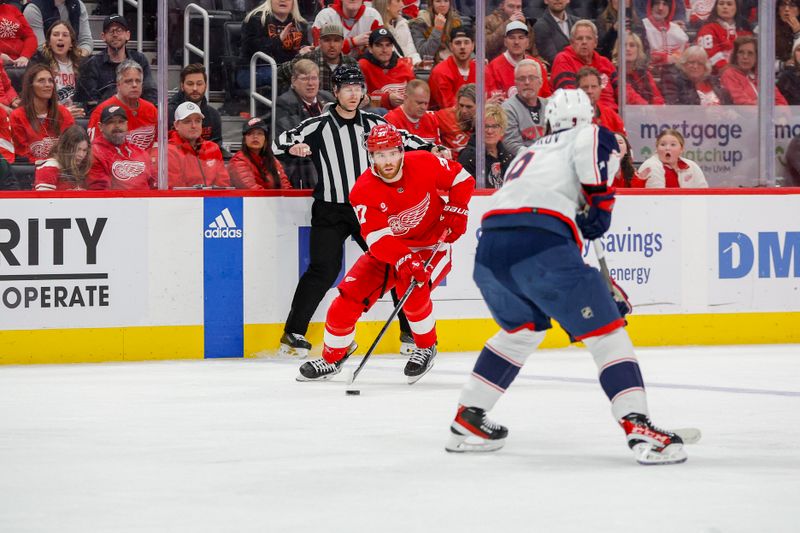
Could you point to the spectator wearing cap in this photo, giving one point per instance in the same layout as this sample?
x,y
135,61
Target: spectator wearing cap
x,y
525,110
142,115
41,14
118,164
500,71
413,116
458,69
254,166
194,81
328,57
18,42
432,29
359,21
99,72
393,20
194,162
496,22
582,53
385,72
551,30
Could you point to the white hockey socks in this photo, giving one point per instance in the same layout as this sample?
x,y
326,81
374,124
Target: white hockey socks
x,y
497,366
619,372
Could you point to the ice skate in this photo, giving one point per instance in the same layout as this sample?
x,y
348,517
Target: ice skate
x,y
420,362
652,445
472,431
321,370
407,344
294,345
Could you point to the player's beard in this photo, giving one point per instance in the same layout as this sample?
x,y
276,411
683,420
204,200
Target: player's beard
x,y
395,175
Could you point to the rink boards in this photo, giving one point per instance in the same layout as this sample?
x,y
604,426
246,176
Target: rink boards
x,y
135,278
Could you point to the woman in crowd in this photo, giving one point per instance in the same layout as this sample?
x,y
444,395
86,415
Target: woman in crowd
x,y
254,166
725,23
391,14
43,13
68,165
498,158
60,54
627,177
276,28
641,88
17,40
431,30
787,28
667,169
740,79
665,37
690,81
789,80
608,25
37,124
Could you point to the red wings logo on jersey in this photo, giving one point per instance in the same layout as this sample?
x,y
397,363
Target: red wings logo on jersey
x,y
402,222
125,170
142,137
41,149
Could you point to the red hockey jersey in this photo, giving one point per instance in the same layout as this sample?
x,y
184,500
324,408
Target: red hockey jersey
x,y
381,81
445,80
500,76
142,122
453,137
35,144
717,38
567,64
125,167
427,127
396,217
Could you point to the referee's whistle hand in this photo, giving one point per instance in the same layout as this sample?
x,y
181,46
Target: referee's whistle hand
x,y
300,150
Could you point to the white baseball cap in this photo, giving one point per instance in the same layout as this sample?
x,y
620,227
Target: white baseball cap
x,y
187,109
516,25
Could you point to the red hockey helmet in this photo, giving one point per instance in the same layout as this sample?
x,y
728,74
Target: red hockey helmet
x,y
383,137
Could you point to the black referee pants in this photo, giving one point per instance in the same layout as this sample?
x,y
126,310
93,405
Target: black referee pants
x,y
331,225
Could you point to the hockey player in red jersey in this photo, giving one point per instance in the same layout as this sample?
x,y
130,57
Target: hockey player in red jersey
x,y
402,217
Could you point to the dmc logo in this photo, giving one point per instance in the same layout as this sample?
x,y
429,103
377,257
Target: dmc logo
x,y
737,254
223,227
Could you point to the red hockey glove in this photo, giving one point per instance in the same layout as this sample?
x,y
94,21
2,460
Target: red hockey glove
x,y
621,299
594,221
411,268
454,217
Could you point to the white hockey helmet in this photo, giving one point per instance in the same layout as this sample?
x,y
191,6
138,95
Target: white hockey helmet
x,y
568,108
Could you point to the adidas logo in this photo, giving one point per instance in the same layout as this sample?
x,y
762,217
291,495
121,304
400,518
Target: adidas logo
x,y
223,227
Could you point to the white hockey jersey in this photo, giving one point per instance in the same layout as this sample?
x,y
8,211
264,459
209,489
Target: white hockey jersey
x,y
549,177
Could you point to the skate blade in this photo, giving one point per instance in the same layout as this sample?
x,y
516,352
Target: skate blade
x,y
287,352
671,455
300,377
414,379
472,444
688,435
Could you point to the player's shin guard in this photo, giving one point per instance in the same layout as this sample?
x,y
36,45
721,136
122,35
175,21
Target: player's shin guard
x,y
619,372
340,327
421,320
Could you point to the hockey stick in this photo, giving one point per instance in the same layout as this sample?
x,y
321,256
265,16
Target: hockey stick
x,y
396,310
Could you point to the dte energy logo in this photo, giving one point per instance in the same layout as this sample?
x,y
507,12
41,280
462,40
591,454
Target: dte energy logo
x,y
776,253
223,227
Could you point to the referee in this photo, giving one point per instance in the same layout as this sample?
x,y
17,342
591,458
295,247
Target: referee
x,y
334,142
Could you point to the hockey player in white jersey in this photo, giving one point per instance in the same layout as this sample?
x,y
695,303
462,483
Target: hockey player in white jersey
x,y
529,269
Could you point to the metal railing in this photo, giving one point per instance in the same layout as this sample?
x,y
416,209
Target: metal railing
x,y
188,47
138,4
254,96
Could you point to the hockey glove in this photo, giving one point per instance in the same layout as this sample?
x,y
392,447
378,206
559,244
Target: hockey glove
x,y
454,217
594,221
621,299
411,268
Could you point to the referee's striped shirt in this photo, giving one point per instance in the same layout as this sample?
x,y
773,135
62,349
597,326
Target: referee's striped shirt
x,y
338,150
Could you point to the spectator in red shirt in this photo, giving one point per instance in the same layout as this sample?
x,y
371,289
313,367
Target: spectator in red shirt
x,y
18,42
9,99
69,164
118,163
38,122
740,79
7,179
640,87
254,166
453,72
385,72
194,162
457,123
725,24
582,53
589,82
413,116
500,71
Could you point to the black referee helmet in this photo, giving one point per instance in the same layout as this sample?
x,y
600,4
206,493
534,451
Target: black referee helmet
x,y
347,75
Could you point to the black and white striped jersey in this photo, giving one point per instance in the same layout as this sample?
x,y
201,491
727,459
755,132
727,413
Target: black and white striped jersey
x,y
338,149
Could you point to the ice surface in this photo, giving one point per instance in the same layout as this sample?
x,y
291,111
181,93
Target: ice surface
x,y
239,446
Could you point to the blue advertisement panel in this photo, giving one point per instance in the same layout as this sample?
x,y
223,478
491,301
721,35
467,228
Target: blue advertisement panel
x,y
223,298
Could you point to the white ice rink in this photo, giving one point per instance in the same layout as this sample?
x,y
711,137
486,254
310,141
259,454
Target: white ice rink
x,y
239,446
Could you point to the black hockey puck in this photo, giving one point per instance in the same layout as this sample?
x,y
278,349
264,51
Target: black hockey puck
x,y
352,392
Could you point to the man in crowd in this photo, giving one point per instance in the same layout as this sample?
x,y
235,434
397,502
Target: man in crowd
x,y
98,75
525,110
582,53
500,71
455,71
413,116
327,56
386,72
359,19
142,115
552,29
496,22
194,162
589,81
118,164
457,123
194,81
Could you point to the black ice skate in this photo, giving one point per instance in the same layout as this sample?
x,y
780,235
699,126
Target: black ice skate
x,y
407,344
420,362
472,431
652,445
321,370
294,345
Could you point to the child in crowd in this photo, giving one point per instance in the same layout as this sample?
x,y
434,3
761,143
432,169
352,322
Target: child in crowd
x,y
667,169
68,165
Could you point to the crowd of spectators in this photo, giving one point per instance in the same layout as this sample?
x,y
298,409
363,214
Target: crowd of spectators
x,y
418,59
